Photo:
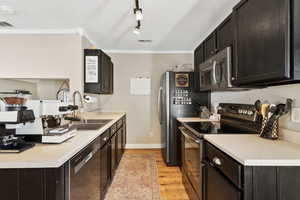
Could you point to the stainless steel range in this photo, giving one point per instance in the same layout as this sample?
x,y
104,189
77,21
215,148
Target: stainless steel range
x,y
235,119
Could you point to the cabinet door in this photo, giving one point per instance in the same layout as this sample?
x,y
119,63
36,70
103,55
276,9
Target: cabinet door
x,y
111,78
104,169
124,137
119,145
225,38
217,187
113,157
225,34
198,59
210,46
106,73
261,43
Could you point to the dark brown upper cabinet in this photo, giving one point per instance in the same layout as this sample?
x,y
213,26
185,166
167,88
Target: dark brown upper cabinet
x,y
225,34
98,72
198,59
267,37
225,38
210,45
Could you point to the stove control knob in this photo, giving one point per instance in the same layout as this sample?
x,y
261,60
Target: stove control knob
x,y
250,112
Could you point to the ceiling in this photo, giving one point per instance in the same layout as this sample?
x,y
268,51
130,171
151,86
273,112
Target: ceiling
x,y
173,25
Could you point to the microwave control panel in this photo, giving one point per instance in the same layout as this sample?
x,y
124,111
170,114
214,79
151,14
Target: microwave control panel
x,y
182,97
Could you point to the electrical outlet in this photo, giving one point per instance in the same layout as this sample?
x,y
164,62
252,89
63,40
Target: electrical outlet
x,y
296,115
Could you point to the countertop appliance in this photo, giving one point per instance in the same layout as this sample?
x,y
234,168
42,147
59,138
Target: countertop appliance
x,y
174,100
9,122
235,119
84,172
216,72
49,126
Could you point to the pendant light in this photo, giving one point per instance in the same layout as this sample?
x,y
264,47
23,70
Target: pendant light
x,y
137,29
138,12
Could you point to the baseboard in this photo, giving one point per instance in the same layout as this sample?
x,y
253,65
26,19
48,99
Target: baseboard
x,y
143,146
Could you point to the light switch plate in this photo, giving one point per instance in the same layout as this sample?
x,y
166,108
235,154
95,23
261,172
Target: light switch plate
x,y
296,115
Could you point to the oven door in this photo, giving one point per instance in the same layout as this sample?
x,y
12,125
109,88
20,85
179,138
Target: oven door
x,y
192,165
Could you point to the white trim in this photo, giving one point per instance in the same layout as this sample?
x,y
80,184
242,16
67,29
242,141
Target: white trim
x,y
41,31
143,146
147,52
84,33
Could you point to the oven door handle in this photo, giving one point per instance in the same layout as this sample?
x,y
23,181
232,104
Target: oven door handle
x,y
188,136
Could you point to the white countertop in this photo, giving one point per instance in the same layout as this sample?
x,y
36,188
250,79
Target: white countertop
x,y
252,150
55,155
193,119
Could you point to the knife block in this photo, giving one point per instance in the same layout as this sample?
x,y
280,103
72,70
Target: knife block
x,y
269,129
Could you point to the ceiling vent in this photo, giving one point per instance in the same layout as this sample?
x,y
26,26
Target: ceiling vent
x,y
4,24
145,41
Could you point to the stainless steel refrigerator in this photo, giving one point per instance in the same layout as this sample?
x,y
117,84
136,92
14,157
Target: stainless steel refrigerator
x,y
175,100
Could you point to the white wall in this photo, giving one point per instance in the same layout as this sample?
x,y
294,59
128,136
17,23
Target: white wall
x,y
143,125
275,95
49,56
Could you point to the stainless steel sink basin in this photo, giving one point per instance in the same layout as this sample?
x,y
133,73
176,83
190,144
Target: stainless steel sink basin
x,y
91,124
97,121
90,127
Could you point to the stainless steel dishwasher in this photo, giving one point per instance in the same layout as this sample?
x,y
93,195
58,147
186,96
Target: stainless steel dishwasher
x,y
85,174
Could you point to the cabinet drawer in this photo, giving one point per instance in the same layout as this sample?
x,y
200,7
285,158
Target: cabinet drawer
x,y
229,167
113,128
104,138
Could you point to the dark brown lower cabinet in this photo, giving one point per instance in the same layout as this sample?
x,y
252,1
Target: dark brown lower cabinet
x,y
226,179
53,183
32,184
105,178
124,137
113,157
119,144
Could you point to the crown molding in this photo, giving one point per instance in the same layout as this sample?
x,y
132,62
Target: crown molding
x,y
147,52
84,33
41,31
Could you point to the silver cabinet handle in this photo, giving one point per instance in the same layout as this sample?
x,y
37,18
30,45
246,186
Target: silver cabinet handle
x,y
105,139
217,161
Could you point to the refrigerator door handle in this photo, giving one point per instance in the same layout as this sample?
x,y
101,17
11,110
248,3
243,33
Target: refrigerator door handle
x,y
159,105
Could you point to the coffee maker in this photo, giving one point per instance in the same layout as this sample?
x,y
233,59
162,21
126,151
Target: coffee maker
x,y
9,122
50,125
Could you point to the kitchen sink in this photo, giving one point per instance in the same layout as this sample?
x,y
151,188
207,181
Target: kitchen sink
x,y
90,124
97,121
82,127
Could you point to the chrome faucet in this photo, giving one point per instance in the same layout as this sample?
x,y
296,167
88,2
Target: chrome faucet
x,y
77,93
80,98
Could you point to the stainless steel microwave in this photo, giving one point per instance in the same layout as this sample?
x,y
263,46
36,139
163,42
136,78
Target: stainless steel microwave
x,y
215,73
